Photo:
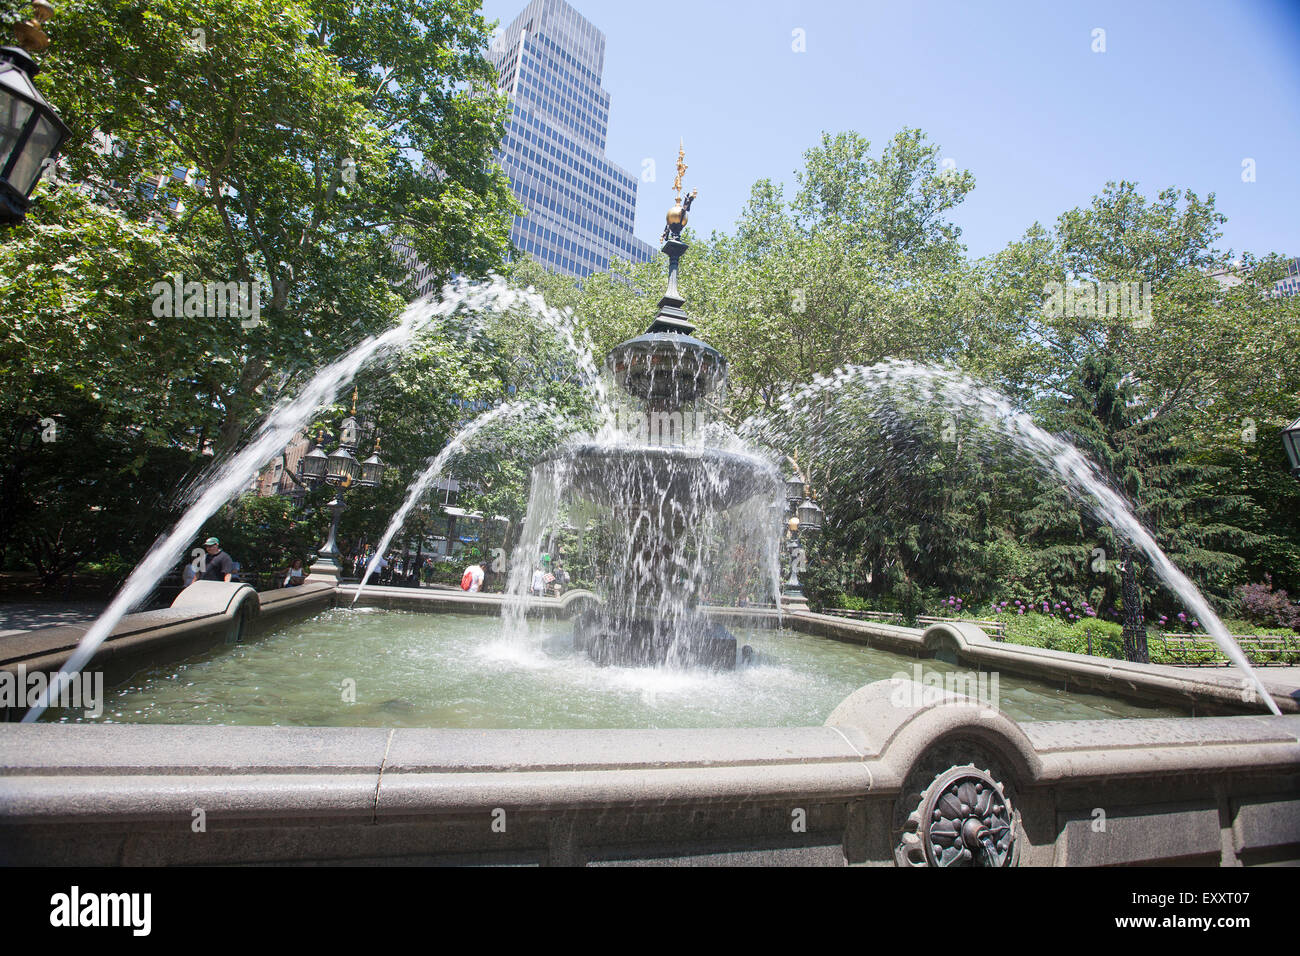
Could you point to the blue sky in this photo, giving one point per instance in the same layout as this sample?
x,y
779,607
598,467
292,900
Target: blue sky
x,y
1183,94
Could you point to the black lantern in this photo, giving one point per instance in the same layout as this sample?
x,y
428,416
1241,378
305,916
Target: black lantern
x,y
810,516
794,488
348,432
343,468
372,471
30,133
1291,442
311,470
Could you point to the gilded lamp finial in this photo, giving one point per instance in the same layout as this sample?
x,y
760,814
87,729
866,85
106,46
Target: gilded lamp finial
x,y
29,33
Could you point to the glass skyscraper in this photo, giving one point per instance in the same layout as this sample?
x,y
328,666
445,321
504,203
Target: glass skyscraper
x,y
581,207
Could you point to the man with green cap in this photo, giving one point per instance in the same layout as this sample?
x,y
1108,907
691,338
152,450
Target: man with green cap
x,y
218,566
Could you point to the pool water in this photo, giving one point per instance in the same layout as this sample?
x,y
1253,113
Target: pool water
x,y
367,667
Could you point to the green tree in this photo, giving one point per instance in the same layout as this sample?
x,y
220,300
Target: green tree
x,y
315,137
862,263
72,488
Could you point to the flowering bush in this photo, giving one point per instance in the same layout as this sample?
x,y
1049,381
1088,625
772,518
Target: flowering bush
x,y
1261,604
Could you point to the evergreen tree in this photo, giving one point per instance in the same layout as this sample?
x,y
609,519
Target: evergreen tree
x,y
1144,454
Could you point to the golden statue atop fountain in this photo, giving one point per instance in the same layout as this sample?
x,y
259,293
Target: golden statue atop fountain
x,y
677,215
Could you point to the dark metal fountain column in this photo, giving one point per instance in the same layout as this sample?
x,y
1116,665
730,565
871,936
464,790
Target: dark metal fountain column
x,y
666,367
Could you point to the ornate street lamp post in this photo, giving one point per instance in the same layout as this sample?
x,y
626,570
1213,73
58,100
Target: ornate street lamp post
x,y
1291,442
1134,632
340,470
30,131
805,517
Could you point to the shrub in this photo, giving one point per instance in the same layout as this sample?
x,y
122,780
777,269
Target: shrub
x,y
1262,605
1042,630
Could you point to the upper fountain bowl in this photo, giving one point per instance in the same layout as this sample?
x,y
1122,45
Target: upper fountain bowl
x,y
666,369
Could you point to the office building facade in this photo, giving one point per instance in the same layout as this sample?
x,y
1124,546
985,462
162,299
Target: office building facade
x,y
1288,285
581,206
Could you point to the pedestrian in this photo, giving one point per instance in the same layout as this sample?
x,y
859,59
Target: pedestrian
x,y
218,565
539,581
561,579
472,580
296,575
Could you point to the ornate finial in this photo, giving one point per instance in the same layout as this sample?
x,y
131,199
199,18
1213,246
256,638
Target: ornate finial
x,y
677,215
355,389
29,33
681,168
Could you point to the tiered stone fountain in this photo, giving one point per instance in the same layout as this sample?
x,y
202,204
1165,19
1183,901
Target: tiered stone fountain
x,y
664,494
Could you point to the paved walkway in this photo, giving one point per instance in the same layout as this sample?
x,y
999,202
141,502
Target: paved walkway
x,y
22,616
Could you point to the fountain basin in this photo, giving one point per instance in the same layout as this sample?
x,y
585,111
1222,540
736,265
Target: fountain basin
x,y
1216,790
453,669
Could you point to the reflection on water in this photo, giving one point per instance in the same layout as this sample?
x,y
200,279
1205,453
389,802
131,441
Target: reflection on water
x,y
366,668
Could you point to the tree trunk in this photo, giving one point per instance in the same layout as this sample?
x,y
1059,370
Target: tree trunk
x,y
239,405
1135,632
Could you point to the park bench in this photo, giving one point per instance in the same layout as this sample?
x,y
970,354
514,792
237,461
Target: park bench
x,y
884,617
1264,649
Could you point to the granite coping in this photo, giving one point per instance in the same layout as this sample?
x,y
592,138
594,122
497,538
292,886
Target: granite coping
x,y
975,646
148,797
418,793
433,596
95,749
49,640
81,749
1074,735
45,642
379,595
144,748
112,774
567,750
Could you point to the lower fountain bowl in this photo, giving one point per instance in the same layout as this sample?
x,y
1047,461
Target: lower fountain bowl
x,y
699,478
